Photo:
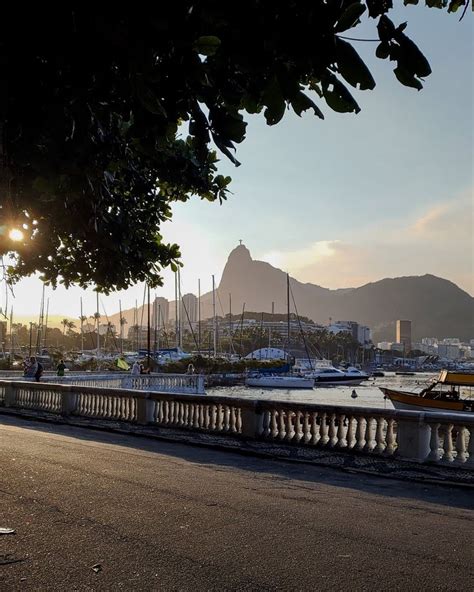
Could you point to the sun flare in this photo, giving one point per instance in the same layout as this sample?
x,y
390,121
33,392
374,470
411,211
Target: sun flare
x,y
15,234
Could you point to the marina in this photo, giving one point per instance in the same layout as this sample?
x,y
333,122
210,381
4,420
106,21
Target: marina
x,y
368,393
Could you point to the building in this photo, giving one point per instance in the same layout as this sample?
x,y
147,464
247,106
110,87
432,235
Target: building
x,y
189,309
384,345
429,341
403,334
449,351
160,312
360,333
397,346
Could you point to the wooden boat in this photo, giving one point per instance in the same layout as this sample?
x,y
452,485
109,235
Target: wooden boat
x,y
444,394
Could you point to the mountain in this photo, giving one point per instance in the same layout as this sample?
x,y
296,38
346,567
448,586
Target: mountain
x,y
437,307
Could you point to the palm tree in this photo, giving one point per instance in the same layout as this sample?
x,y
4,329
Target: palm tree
x,y
65,324
70,327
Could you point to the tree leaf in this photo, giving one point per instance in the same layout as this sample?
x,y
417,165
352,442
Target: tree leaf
x,y
350,17
301,102
351,66
407,79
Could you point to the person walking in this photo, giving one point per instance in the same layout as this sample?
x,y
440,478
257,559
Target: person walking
x,y
31,368
136,368
60,368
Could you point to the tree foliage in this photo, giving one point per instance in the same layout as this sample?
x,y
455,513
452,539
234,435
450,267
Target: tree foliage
x,y
109,116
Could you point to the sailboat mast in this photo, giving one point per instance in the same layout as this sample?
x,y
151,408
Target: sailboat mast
x,y
12,347
97,324
148,333
230,324
180,311
46,324
270,326
176,301
288,307
199,316
155,325
82,328
136,324
214,324
158,328
121,327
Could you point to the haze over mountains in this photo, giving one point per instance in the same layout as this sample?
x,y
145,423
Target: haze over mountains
x,y
437,307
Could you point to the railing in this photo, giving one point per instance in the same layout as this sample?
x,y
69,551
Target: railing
x,y
423,437
168,383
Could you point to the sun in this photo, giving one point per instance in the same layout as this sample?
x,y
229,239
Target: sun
x,y
15,234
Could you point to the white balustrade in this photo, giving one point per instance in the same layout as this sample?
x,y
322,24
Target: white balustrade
x,y
423,437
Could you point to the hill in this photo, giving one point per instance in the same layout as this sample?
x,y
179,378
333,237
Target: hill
x,y
436,306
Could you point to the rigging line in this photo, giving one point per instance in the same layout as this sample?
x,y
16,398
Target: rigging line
x,y
223,316
108,326
190,326
301,328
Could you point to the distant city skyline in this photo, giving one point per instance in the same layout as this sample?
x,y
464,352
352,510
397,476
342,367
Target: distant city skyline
x,y
343,202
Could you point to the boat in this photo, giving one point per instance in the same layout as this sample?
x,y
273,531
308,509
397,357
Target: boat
x,y
330,376
278,381
443,394
404,373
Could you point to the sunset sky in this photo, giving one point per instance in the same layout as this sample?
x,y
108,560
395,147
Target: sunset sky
x,y
339,203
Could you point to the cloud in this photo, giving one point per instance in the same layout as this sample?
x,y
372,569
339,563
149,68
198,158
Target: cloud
x,y
437,241
452,220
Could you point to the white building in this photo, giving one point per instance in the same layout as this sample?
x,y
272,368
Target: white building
x,y
449,351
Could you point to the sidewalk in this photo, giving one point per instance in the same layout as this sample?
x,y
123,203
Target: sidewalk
x,y
449,474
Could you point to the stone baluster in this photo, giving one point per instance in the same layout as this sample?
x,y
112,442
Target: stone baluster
x,y
461,449
390,437
448,443
341,441
323,429
289,418
360,433
281,424
380,436
369,435
233,419
297,426
350,438
306,427
470,446
332,431
274,424
314,428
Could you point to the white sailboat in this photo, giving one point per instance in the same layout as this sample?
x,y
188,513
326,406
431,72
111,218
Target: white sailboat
x,y
281,380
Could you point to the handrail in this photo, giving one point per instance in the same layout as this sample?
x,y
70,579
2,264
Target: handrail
x,y
422,436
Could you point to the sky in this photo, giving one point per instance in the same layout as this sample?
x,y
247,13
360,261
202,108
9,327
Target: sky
x,y
340,202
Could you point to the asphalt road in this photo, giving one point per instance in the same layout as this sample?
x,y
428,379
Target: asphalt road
x,y
151,515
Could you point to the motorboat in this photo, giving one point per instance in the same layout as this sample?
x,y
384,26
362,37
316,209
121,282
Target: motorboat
x,y
279,381
331,376
353,372
451,391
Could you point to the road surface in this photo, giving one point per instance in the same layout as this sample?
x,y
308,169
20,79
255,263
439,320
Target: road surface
x,y
99,511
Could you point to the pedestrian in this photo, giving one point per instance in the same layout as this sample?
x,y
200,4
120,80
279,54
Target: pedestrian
x,y
60,368
31,367
135,368
39,372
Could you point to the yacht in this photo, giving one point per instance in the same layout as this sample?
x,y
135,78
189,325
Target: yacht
x,y
279,381
333,376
